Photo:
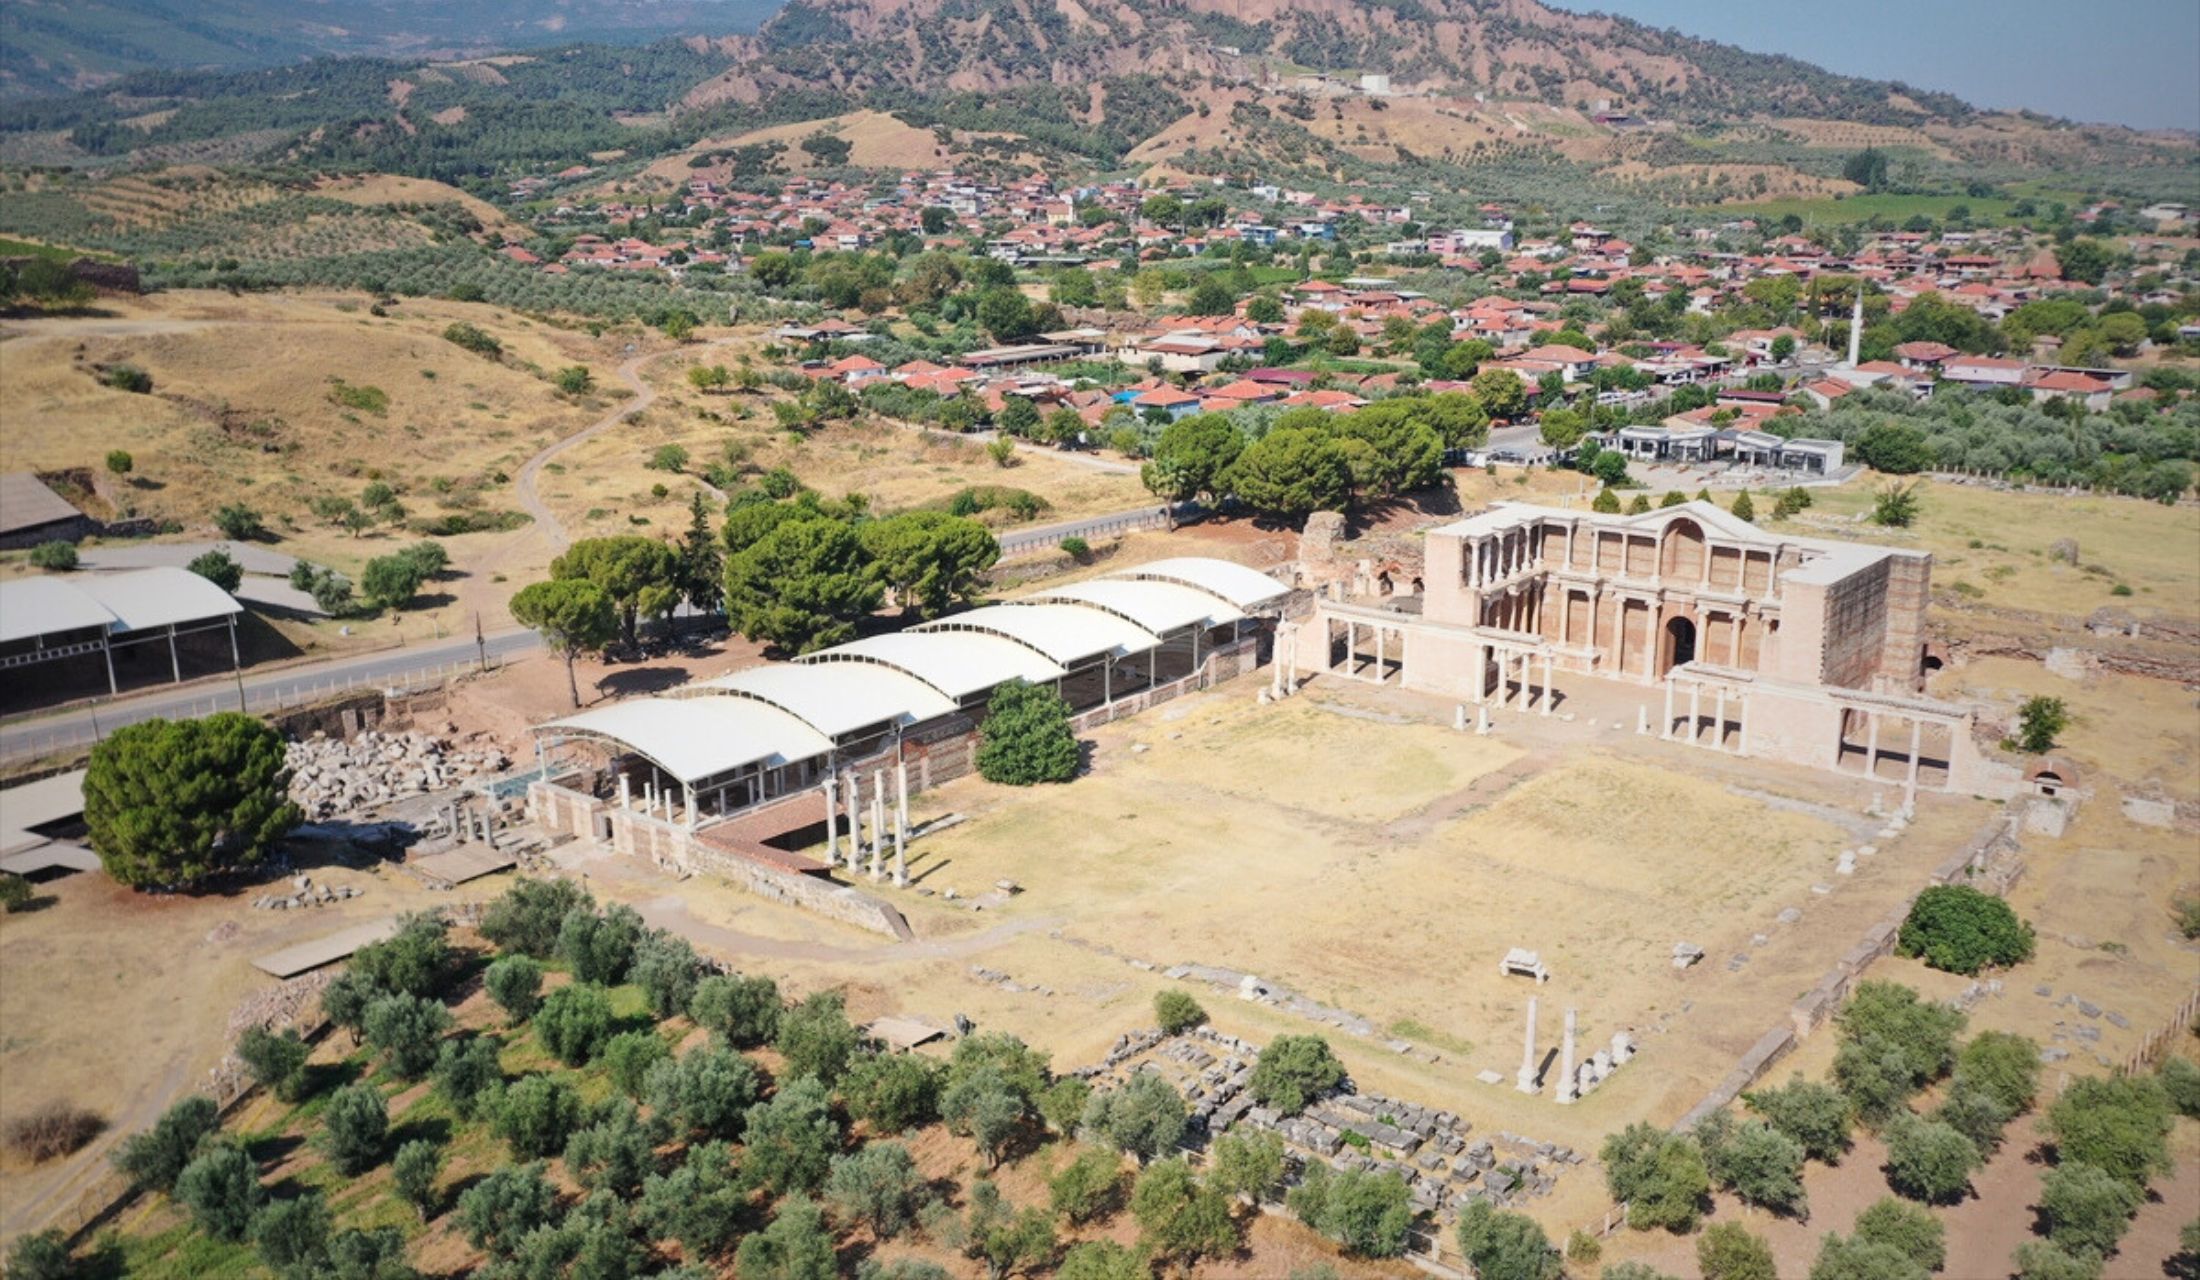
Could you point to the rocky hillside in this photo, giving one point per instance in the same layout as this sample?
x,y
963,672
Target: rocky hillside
x,y
1517,49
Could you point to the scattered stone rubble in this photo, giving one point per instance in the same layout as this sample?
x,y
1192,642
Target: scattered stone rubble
x,y
330,776
304,893
296,1003
1429,1149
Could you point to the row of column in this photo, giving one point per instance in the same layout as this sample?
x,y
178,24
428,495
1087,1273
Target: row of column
x,y
1518,666
1694,735
1871,750
850,786
1496,559
1574,1079
1352,652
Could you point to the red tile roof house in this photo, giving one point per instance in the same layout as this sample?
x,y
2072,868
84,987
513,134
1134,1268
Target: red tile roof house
x,y
1924,355
2065,385
1169,400
1983,371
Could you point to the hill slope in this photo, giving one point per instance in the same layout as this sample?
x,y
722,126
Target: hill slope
x,y
56,46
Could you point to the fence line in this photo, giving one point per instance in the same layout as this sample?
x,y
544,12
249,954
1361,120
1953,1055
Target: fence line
x,y
2155,1047
274,698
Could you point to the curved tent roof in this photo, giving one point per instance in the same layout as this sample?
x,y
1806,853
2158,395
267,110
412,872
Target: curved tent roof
x,y
1066,633
957,663
697,738
835,698
1243,587
47,606
1156,605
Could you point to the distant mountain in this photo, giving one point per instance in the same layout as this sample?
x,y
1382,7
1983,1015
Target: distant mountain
x,y
1516,49
57,46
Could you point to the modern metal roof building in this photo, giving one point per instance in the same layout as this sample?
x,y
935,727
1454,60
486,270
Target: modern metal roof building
x,y
755,734
45,619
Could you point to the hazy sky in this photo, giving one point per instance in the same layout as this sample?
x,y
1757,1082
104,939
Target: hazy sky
x,y
2133,62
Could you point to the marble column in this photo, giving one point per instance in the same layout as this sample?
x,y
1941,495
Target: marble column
x,y
1568,1086
1525,1082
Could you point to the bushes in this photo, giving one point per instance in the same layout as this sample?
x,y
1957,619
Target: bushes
x,y
460,333
1856,1258
157,1156
629,1056
574,1022
1727,1251
1366,1212
1930,1160
55,557
1505,1246
1293,1071
2086,1209
1177,1012
515,983
2180,1081
354,1125
1661,1177
599,947
877,1186
127,377
1960,930
53,1130
1026,738
2119,1125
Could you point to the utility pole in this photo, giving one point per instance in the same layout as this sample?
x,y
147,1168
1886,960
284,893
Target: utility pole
x,y
481,646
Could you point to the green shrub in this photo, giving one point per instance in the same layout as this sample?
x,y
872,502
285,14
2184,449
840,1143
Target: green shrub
x,y
1909,1228
354,1125
56,556
1930,1161
128,377
574,1021
2085,1209
1176,1011
1026,736
1961,930
2117,1124
1294,1071
1727,1251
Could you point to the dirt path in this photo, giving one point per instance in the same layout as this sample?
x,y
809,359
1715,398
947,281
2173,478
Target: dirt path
x,y
36,1197
545,530
671,912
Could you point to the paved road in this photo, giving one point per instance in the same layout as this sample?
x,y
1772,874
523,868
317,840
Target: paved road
x,y
265,691
1042,536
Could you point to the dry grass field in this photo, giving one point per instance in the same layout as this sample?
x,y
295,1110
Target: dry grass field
x,y
605,485
272,400
1992,547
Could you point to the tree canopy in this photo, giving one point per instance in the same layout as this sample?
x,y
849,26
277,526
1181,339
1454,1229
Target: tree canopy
x,y
173,802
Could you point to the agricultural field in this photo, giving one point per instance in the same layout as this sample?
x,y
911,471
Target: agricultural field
x,y
1834,211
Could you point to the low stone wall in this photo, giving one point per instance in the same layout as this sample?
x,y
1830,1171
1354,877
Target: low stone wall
x,y
563,811
343,716
840,902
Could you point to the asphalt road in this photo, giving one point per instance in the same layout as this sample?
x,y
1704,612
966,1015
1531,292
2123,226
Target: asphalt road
x,y
1041,536
265,691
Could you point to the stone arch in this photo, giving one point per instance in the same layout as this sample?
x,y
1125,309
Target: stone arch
x,y
1681,553
1677,645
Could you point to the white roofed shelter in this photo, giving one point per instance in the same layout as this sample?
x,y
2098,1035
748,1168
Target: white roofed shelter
x,y
766,731
45,619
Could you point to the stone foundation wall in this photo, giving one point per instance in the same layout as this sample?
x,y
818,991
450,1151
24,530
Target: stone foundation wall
x,y
839,902
563,811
